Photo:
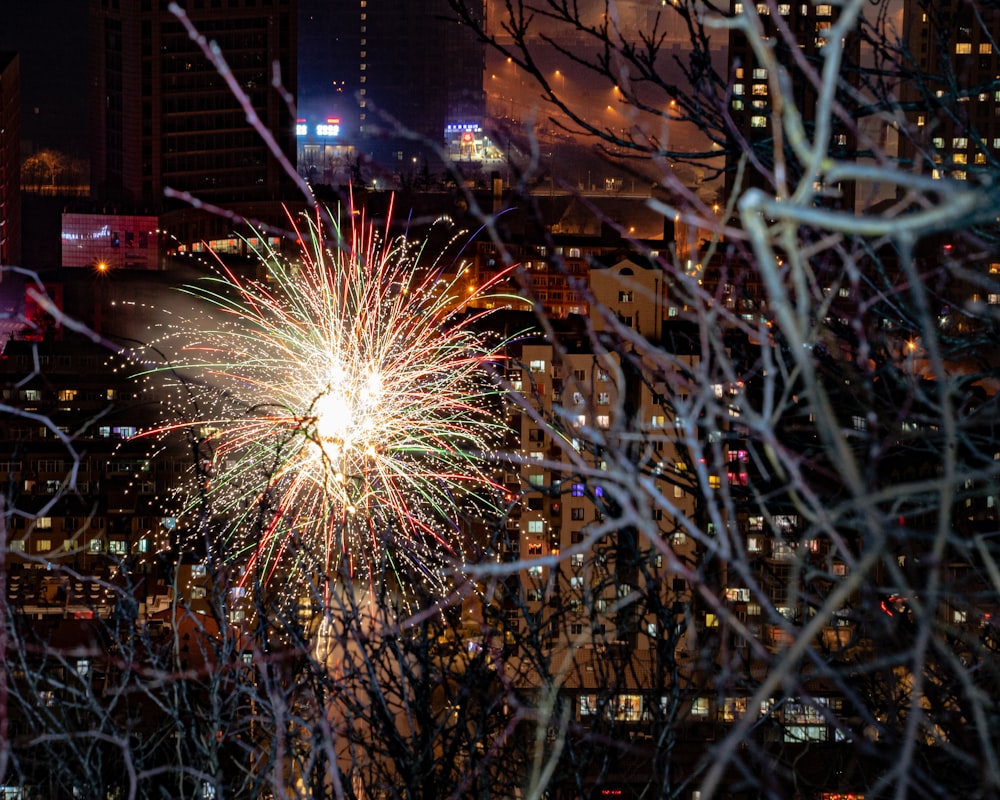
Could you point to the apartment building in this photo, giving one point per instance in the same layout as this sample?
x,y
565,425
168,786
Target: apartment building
x,y
165,116
88,493
756,100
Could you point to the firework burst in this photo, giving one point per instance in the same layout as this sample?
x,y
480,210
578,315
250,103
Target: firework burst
x,y
356,391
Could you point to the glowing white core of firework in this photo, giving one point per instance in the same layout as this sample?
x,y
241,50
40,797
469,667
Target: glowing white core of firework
x,y
334,419
348,411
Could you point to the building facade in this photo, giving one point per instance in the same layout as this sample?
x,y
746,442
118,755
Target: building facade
x,y
954,109
755,97
387,82
164,117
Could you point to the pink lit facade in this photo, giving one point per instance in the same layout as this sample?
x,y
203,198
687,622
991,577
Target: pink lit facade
x,y
109,241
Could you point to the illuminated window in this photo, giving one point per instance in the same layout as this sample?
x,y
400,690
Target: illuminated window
x,y
758,121
784,9
588,702
43,545
960,142
782,551
760,88
537,366
963,48
732,709
805,723
699,707
628,707
985,48
759,74
824,10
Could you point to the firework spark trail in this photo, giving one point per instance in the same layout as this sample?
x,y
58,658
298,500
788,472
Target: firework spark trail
x,y
359,393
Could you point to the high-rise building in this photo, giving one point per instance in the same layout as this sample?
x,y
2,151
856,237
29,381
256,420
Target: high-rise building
x,y
164,116
419,67
10,159
954,105
754,93
396,76
326,128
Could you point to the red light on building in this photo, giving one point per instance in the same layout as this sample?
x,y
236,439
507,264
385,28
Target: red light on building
x,y
333,120
467,136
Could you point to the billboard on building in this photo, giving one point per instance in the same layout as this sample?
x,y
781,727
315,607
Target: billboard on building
x,y
109,241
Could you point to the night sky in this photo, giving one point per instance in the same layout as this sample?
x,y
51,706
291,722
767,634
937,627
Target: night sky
x,y
51,37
